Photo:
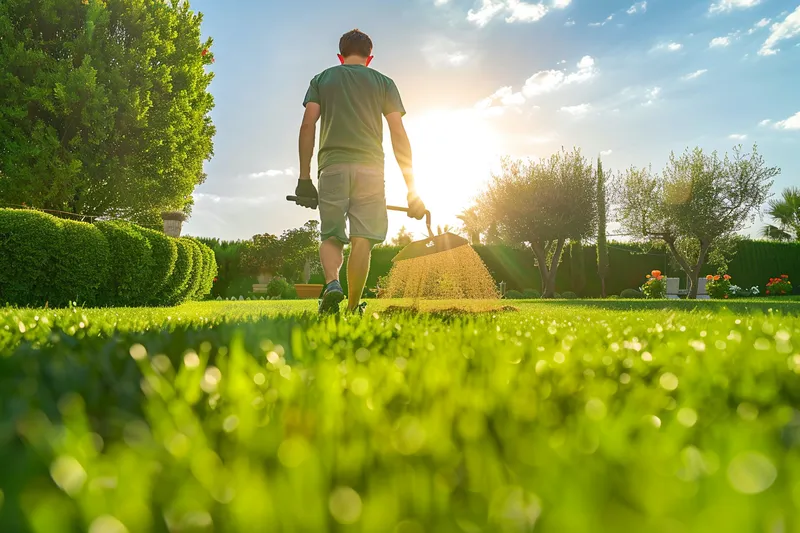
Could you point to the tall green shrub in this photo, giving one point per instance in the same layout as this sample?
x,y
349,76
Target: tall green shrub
x,y
82,262
173,291
210,272
28,240
131,264
165,254
602,221
196,272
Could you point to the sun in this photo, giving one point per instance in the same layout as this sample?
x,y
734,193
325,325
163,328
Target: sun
x,y
455,153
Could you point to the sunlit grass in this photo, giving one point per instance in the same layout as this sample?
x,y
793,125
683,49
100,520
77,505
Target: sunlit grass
x,y
258,416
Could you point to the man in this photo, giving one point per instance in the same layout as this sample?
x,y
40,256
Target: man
x,y
351,99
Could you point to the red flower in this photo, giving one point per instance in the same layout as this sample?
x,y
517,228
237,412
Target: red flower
x,y
767,292
784,276
727,277
656,273
716,278
726,296
204,53
710,277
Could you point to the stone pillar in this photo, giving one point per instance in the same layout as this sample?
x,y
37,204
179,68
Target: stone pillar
x,y
173,222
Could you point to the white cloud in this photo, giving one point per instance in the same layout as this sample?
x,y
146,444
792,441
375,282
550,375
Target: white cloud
x,y
737,136
597,24
652,95
577,110
790,27
765,122
442,52
671,47
561,4
269,174
763,23
791,123
607,152
570,22
525,12
694,75
501,99
719,42
726,6
543,82
640,7
488,10
585,72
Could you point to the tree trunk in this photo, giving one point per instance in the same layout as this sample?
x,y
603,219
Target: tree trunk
x,y
693,284
692,271
548,272
603,286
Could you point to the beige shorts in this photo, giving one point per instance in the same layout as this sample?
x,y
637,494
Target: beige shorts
x,y
353,197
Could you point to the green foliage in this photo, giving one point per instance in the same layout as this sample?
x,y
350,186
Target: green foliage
x,y
130,264
194,286
165,255
261,255
569,295
602,222
531,294
105,106
28,240
697,204
718,287
631,294
542,205
514,295
412,422
82,262
655,288
210,273
780,286
290,293
785,213
276,287
176,288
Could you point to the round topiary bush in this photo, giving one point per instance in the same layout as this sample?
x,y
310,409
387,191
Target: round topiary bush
x,y
165,254
82,264
276,287
513,295
290,293
173,291
131,264
631,294
27,264
557,296
569,295
531,294
210,271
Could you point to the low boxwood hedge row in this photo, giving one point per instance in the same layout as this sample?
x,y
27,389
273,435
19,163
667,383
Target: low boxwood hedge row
x,y
51,261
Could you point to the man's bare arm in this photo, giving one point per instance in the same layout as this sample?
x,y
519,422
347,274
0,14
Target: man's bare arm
x,y
402,148
308,133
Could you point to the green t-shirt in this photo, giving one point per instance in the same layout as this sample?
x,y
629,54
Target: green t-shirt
x,y
353,100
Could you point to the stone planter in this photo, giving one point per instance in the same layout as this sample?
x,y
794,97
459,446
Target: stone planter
x,y
173,222
307,291
264,277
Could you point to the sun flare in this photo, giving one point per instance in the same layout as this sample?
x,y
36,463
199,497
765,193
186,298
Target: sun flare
x,y
455,153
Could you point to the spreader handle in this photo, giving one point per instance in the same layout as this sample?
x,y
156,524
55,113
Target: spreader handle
x,y
405,210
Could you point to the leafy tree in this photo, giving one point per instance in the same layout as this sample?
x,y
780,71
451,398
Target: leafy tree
x,y
786,213
403,238
602,221
542,205
105,106
299,249
696,206
472,224
262,254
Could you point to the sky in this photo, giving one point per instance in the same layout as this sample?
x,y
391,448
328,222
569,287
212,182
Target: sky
x,y
486,79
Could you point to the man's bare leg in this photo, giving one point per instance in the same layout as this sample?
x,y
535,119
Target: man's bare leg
x,y
331,257
357,270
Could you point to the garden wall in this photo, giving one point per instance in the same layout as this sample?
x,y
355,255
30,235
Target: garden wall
x,y
46,260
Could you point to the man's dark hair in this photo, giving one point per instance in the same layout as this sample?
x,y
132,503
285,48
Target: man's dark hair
x,y
355,43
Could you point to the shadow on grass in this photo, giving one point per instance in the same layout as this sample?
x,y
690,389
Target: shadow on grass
x,y
787,306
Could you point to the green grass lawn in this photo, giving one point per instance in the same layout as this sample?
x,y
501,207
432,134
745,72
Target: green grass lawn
x,y
258,416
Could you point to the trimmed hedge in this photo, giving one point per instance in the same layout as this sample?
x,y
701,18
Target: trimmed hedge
x,y
82,265
50,261
27,266
131,264
174,290
164,256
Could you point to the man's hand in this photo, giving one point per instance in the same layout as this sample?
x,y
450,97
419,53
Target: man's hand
x,y
416,207
306,193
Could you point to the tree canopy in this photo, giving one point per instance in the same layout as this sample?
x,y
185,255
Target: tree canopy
x,y
785,212
696,205
105,106
543,204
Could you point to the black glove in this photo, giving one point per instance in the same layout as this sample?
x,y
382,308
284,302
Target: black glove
x,y
416,208
306,193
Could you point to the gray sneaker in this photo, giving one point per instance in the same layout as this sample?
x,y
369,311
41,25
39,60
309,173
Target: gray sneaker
x,y
332,296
